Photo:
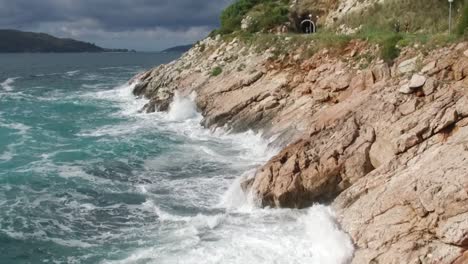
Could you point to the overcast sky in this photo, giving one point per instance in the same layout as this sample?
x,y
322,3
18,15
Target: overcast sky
x,y
145,25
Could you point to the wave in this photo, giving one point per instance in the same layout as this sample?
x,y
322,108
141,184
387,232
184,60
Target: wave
x,y
183,108
261,236
7,84
72,73
229,227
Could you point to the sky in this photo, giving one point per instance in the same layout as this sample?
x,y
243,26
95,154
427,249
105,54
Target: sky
x,y
144,25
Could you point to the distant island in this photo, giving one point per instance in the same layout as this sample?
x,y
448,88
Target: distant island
x,y
183,48
15,41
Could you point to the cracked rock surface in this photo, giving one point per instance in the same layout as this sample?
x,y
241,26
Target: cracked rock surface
x,y
386,146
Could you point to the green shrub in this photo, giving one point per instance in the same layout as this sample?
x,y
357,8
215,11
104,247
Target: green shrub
x,y
202,47
216,71
266,13
232,16
462,27
389,50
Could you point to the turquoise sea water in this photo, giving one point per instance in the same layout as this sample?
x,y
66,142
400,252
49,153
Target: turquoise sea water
x,y
86,178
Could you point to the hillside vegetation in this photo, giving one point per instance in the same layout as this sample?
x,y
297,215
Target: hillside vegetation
x,y
391,24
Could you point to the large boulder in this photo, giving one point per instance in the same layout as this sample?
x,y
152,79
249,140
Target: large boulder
x,y
407,66
306,172
415,209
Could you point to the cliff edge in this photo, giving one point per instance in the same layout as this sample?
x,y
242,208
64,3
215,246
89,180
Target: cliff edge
x,y
384,142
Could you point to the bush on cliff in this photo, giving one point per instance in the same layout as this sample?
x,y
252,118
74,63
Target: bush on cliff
x,y
271,12
216,71
266,16
462,28
389,50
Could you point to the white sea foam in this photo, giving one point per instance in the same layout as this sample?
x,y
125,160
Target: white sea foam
x,y
261,236
7,85
238,232
72,73
183,108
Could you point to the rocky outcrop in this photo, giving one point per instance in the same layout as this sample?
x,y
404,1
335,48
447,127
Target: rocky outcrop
x,y
386,146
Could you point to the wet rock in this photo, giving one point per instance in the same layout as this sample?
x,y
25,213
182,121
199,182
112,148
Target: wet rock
x,y
139,88
303,174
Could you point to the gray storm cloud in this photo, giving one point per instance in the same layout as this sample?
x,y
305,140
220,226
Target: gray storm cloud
x,y
140,24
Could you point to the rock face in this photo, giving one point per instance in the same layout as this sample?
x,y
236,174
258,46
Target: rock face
x,y
386,147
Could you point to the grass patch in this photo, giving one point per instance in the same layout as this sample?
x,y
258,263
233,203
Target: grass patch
x,y
216,71
428,16
462,27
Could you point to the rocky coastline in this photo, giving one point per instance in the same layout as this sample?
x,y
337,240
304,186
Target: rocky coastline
x,y
385,145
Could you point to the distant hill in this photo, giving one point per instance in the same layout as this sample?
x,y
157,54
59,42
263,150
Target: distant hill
x,y
19,41
183,48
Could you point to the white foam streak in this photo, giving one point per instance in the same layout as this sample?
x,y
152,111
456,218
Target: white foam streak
x,y
240,232
7,84
72,73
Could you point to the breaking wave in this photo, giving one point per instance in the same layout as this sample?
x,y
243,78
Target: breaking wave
x,y
7,85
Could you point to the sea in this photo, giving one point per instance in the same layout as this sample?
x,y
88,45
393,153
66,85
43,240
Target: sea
x,y
85,177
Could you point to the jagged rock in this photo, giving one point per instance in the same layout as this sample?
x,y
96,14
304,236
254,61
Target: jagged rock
x,y
405,89
393,166
449,118
408,107
341,82
411,214
304,173
320,95
407,66
460,69
429,87
429,67
369,78
312,76
465,53
140,88
381,72
462,107
381,152
417,81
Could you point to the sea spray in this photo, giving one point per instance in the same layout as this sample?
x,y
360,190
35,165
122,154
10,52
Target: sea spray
x,y
94,180
183,108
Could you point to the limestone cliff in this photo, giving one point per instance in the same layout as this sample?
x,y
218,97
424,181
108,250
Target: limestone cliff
x,y
387,146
